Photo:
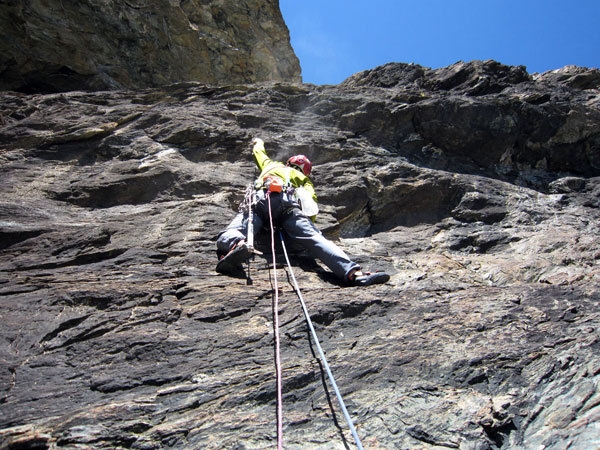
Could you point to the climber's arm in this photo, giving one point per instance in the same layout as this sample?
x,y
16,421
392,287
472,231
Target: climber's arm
x,y
260,154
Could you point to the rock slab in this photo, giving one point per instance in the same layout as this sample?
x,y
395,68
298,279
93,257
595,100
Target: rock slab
x,y
476,186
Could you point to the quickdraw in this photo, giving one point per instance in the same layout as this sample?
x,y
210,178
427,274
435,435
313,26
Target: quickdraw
x,y
249,203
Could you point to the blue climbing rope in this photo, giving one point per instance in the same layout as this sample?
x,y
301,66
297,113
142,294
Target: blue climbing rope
x,y
313,333
318,345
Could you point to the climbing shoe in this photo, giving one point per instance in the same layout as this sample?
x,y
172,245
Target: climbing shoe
x,y
367,279
231,263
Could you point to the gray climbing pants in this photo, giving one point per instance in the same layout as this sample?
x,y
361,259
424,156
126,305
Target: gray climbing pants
x,y
288,216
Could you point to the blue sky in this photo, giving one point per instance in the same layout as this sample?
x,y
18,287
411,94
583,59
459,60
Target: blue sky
x,y
336,38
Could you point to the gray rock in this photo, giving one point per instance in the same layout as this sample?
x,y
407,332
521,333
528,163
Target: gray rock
x,y
118,333
56,46
566,185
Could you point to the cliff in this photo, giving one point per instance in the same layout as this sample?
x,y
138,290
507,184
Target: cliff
x,y
56,46
476,186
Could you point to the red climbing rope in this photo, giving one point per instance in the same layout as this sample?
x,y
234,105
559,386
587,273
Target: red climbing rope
x,y
276,334
314,335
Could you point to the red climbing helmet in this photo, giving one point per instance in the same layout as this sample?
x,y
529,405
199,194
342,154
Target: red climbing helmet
x,y
302,163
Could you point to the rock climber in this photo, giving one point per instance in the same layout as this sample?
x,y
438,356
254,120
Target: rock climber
x,y
283,183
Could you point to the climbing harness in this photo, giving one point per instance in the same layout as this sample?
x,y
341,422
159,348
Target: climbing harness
x,y
313,333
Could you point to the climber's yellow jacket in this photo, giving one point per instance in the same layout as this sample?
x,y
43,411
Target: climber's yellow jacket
x,y
288,174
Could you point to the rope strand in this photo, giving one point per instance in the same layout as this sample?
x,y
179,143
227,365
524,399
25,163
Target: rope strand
x,y
276,334
278,372
320,350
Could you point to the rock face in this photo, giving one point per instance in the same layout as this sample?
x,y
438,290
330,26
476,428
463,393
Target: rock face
x,y
55,46
476,186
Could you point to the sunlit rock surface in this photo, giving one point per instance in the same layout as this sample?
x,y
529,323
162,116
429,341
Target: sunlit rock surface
x,y
476,186
56,45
